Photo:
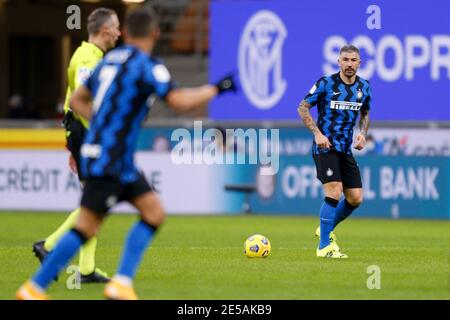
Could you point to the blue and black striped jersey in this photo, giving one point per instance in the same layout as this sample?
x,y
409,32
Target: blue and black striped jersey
x,y
338,106
123,86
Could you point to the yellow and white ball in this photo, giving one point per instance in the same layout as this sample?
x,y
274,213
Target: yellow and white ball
x,y
257,246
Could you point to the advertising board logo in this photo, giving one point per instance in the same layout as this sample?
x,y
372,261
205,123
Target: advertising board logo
x,y
393,58
261,59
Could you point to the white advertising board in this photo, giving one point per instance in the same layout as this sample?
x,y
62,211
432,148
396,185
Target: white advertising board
x,y
41,180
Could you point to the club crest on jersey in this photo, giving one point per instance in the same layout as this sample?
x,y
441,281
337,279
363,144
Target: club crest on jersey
x,y
345,105
359,95
329,172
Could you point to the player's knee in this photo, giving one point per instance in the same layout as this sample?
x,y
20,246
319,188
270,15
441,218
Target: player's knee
x,y
334,190
159,216
154,220
88,232
355,200
155,217
88,223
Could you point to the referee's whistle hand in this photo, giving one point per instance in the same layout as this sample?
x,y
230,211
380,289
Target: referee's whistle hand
x,y
322,141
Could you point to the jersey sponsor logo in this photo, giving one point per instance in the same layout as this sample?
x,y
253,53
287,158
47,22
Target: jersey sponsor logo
x,y
261,59
345,105
93,151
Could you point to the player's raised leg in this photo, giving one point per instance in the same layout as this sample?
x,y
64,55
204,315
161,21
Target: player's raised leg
x,y
87,226
139,238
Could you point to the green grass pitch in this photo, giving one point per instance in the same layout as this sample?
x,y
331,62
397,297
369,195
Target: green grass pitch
x,y
201,257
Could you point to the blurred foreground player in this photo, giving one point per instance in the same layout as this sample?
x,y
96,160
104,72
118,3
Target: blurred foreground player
x,y
103,30
339,98
116,96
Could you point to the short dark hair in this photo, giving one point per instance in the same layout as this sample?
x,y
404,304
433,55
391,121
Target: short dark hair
x,y
97,19
140,22
349,48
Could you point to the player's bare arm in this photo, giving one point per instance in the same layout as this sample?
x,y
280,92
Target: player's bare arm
x,y
185,99
364,124
81,102
305,114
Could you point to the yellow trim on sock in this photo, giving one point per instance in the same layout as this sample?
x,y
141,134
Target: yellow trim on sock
x,y
68,224
87,256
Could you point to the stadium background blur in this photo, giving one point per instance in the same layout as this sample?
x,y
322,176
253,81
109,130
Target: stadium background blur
x,y
405,166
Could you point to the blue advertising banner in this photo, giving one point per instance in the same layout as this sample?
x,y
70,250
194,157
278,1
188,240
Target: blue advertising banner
x,y
413,187
281,47
397,183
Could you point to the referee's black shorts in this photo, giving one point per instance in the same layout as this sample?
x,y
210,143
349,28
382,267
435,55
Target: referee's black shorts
x,y
338,166
100,194
75,139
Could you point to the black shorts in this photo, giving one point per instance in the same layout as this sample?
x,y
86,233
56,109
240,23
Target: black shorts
x,y
101,194
75,139
338,166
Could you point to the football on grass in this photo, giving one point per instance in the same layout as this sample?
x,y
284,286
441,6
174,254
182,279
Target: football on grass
x,y
257,246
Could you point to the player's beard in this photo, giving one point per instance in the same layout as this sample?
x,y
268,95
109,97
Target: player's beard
x,y
349,72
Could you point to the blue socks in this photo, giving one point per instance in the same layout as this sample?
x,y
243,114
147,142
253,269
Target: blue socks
x,y
327,220
65,249
138,239
343,210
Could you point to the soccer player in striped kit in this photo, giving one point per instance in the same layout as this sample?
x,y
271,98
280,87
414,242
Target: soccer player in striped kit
x,y
340,98
116,98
